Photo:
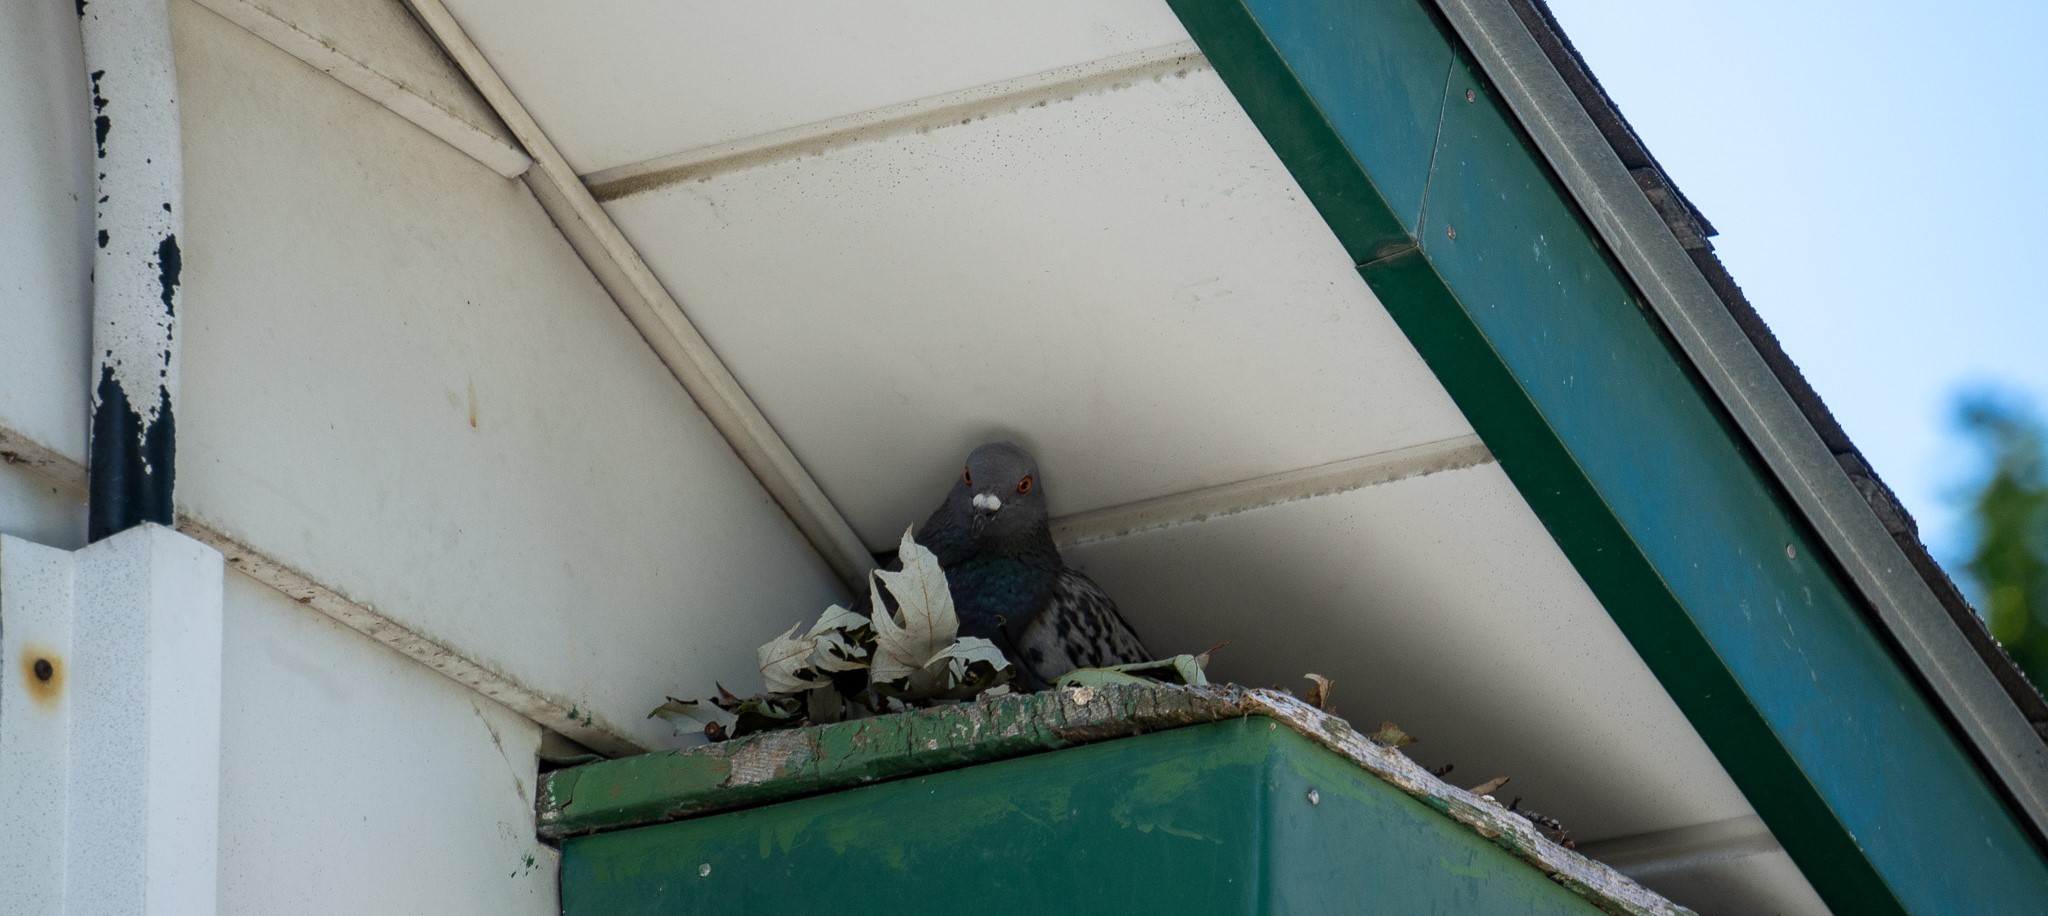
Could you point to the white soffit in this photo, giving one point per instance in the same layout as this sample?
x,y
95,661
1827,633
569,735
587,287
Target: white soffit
x,y
1440,603
623,81
1128,281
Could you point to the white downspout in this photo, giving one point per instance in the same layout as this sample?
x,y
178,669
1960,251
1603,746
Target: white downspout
x,y
139,214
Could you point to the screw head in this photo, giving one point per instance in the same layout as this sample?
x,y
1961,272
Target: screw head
x,y
45,670
1471,96
1451,232
1791,552
1315,797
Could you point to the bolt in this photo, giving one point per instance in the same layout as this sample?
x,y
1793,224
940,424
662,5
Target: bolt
x,y
45,670
1471,96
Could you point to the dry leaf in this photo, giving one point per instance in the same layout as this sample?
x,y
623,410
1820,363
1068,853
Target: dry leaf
x,y
786,663
840,643
1489,787
1391,735
970,649
1318,692
693,716
924,622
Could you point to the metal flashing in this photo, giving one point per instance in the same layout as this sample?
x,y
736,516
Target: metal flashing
x,y
1755,393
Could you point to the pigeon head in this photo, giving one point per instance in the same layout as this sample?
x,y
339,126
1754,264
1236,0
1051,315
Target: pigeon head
x,y
999,495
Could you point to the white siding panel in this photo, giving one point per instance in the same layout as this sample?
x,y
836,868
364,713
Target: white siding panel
x,y
401,381
34,508
355,781
46,235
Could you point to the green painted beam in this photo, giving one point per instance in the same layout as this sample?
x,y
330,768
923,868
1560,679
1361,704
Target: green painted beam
x,y
1622,453
1234,817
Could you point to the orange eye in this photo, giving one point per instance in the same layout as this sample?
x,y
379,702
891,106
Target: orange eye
x,y
1024,486
967,477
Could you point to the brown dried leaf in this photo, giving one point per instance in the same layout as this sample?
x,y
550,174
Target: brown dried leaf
x,y
1319,692
1489,787
1391,735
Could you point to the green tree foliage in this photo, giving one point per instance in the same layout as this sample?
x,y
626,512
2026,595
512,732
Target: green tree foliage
x,y
2009,517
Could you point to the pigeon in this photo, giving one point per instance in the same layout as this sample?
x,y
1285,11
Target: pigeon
x,y
1009,585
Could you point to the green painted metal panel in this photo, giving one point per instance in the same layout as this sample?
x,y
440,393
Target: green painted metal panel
x,y
1378,74
1747,576
1209,819
1629,463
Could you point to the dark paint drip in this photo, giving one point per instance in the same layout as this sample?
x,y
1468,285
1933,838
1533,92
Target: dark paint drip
x,y
81,9
169,264
101,124
103,238
131,467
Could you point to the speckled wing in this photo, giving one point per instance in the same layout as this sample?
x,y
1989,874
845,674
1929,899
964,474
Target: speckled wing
x,y
1079,628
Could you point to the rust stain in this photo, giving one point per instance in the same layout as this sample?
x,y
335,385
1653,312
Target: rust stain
x,y
43,674
472,402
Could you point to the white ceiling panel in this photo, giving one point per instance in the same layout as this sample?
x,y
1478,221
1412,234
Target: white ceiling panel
x,y
1440,603
621,81
1128,282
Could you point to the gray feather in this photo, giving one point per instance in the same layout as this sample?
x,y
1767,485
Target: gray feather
x,y
1079,628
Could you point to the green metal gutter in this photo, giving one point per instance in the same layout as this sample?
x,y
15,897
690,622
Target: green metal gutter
x,y
1154,799
1471,242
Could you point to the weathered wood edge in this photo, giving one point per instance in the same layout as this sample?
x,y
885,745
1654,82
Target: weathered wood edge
x,y
780,766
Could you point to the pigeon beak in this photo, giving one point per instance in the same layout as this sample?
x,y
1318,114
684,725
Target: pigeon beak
x,y
987,504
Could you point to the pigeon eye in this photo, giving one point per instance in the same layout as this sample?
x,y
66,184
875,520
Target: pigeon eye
x,y
1024,486
967,477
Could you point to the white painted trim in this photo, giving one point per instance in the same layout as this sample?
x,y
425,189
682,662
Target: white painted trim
x,y
657,315
477,141
933,112
111,764
17,449
36,598
1272,490
564,716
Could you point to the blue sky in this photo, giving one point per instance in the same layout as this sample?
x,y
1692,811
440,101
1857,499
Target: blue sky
x,y
1875,171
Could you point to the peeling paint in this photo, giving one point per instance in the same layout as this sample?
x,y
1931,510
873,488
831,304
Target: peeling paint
x,y
169,265
101,124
